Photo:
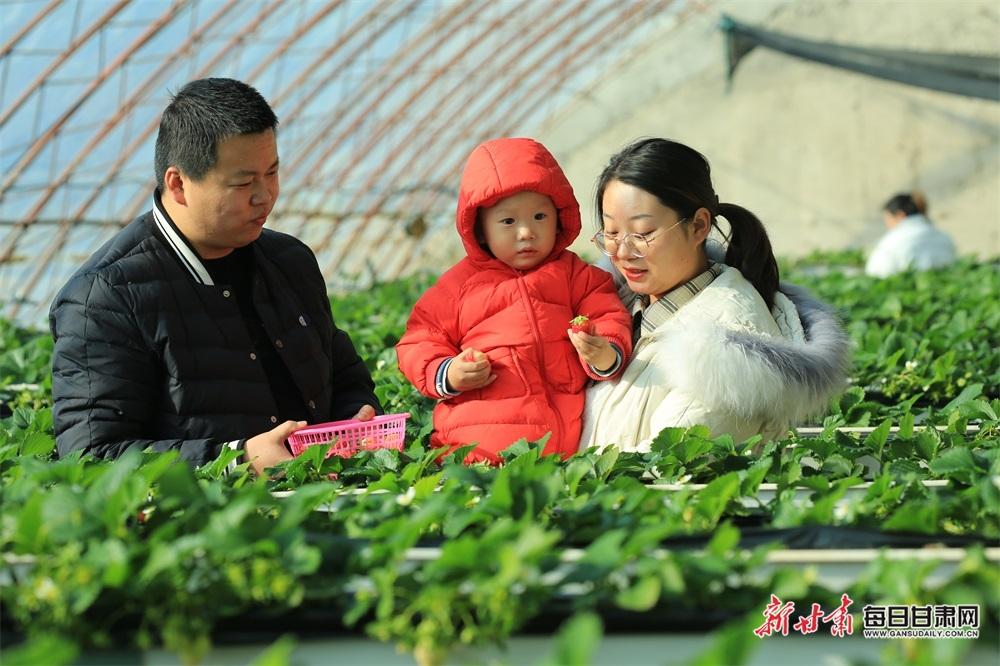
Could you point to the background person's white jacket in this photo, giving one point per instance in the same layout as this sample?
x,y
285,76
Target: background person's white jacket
x,y
915,244
723,361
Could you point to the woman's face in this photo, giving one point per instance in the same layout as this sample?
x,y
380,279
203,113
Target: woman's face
x,y
672,255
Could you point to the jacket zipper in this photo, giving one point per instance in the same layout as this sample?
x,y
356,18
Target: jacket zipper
x,y
539,356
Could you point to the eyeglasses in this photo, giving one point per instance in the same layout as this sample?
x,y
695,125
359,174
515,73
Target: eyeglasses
x,y
637,245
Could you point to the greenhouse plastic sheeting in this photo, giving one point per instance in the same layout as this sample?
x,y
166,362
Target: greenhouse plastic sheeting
x,y
961,74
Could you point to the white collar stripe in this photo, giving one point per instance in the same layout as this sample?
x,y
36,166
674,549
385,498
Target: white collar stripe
x,y
187,256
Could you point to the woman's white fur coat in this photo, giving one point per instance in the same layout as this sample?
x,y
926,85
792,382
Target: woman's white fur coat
x,y
724,361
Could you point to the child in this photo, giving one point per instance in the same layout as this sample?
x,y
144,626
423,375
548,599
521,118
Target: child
x,y
491,340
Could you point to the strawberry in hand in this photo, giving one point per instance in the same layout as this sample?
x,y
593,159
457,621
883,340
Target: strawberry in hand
x,y
471,369
593,349
581,324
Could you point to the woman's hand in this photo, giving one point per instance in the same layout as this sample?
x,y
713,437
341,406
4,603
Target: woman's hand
x,y
593,349
470,370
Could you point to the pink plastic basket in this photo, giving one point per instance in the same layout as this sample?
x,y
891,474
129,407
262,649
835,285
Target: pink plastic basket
x,y
382,432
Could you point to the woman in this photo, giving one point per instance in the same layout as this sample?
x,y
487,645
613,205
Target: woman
x,y
719,344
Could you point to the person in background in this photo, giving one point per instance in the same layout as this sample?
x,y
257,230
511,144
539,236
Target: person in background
x,y
194,328
491,340
912,242
719,340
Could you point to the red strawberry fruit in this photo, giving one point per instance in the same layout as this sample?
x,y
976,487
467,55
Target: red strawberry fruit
x,y
581,324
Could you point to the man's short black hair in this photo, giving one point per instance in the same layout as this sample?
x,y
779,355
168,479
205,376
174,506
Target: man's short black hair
x,y
201,115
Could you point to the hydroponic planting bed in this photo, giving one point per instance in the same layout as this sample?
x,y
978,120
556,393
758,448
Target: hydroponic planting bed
x,y
893,499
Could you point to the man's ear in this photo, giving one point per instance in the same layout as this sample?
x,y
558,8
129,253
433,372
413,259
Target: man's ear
x,y
701,224
173,185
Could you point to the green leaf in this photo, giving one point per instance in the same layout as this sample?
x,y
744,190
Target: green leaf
x,y
671,576
791,473
733,644
606,551
500,497
754,476
667,439
699,431
314,455
713,498
906,426
821,446
156,464
46,649
294,509
878,488
455,523
956,463
29,525
386,459
642,596
116,474
914,516
989,492
516,449
577,640
178,486
837,466
606,462
818,483
424,487
978,409
38,444
902,468
875,441
278,654
457,456
851,398
387,481
162,557
927,442
970,392
692,448
576,470
114,556
724,541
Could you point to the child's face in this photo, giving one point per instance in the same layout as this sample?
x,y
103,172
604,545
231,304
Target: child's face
x,y
521,229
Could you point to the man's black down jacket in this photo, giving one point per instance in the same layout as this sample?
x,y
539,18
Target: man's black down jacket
x,y
147,354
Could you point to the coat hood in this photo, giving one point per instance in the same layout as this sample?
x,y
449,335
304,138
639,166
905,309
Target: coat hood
x,y
502,167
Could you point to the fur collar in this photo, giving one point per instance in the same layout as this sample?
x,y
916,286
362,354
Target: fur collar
x,y
752,375
758,376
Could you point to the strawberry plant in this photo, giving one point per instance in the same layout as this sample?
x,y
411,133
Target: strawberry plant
x,y
924,336
436,555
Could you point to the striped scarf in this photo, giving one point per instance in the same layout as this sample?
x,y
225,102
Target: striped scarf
x,y
646,316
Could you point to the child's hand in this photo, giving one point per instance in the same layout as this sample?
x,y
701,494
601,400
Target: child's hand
x,y
593,349
470,370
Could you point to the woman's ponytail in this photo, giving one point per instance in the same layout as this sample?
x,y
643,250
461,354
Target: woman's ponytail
x,y
750,251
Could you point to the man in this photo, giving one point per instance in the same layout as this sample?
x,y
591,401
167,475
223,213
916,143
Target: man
x,y
911,243
195,328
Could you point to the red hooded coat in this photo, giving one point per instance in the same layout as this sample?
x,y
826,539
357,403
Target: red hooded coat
x,y
517,318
